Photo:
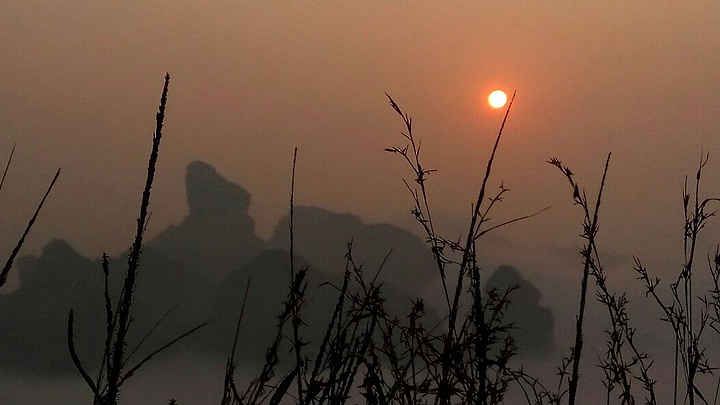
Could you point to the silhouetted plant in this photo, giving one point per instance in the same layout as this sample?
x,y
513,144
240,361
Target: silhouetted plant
x,y
680,312
589,253
618,365
16,250
230,391
466,360
474,355
347,340
368,352
113,372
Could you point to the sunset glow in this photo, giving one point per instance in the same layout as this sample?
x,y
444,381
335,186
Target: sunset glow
x,y
497,99
359,201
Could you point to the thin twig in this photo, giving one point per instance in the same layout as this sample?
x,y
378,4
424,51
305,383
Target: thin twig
x,y
151,355
75,358
12,152
16,250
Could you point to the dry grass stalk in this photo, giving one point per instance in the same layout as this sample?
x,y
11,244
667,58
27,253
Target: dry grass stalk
x,y
619,365
589,253
16,250
474,354
7,166
689,324
367,351
113,370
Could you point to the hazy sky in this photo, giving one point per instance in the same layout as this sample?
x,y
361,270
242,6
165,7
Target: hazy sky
x,y
80,83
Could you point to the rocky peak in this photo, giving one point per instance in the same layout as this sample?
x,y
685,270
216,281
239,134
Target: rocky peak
x,y
210,194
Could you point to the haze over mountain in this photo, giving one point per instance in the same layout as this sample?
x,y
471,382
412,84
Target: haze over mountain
x,y
182,266
254,79
533,326
218,235
202,265
322,237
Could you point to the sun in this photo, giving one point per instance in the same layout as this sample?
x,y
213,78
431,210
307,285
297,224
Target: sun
x,y
497,99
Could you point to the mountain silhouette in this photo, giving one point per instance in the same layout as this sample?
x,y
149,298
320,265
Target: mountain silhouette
x,y
34,317
218,235
322,236
269,275
533,324
200,268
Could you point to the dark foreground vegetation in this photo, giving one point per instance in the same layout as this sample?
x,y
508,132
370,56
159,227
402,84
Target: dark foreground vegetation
x,y
467,354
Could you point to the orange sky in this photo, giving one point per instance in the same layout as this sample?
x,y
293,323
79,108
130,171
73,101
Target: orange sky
x,y
80,83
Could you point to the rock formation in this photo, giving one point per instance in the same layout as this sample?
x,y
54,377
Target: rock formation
x,y
218,235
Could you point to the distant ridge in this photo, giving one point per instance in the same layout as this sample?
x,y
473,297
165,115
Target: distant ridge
x,y
201,267
321,236
60,279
